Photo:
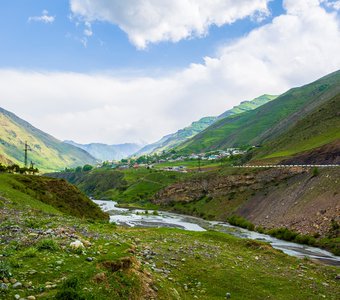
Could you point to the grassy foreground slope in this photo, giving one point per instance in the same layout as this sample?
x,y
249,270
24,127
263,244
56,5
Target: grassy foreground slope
x,y
47,152
267,122
44,193
119,263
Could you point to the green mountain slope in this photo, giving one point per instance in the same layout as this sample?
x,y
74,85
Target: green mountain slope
x,y
47,152
318,128
247,105
267,121
108,152
182,135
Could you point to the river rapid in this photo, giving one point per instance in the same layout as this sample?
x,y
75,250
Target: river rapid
x,y
138,218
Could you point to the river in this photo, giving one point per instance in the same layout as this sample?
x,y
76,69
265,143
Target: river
x,y
138,218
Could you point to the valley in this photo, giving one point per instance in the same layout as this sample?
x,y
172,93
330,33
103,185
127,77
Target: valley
x,y
245,205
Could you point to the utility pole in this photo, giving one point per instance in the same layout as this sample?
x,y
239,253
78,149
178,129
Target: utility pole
x,y
27,148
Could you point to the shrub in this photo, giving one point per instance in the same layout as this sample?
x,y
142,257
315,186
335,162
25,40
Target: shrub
x,y
47,244
241,222
31,223
30,252
283,234
315,172
5,269
70,290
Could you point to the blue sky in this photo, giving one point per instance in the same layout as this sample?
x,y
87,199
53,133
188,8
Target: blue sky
x,y
58,46
131,71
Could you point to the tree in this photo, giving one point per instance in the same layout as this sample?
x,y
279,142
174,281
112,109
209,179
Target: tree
x,y
87,168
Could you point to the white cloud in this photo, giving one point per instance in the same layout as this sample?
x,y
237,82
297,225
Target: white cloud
x,y
152,21
335,4
44,18
294,49
88,29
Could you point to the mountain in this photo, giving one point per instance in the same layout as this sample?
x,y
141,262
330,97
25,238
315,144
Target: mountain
x,y
173,140
319,130
247,105
48,153
108,152
267,122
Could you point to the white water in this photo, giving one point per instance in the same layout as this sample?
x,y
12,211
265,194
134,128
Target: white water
x,y
138,218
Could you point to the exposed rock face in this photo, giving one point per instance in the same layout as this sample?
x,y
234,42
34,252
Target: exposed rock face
x,y
304,203
222,186
292,198
327,154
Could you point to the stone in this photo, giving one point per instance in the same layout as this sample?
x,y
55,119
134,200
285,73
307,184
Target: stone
x,y
3,286
89,259
77,245
31,298
87,243
12,280
17,285
227,295
17,296
337,277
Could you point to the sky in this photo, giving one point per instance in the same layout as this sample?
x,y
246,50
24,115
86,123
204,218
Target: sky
x,y
116,71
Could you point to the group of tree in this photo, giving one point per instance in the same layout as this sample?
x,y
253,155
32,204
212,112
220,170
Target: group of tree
x,y
79,169
18,170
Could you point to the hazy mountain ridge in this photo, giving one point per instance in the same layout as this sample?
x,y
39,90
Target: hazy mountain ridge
x,y
108,152
47,152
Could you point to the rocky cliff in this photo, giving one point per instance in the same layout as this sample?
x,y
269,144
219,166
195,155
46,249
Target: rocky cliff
x,y
300,199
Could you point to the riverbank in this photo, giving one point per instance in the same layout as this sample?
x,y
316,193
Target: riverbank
x,y
40,259
163,219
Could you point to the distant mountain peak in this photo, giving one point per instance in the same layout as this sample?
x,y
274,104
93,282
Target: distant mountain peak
x,y
105,152
175,139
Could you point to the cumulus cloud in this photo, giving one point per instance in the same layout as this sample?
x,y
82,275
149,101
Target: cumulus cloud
x,y
294,49
152,21
44,18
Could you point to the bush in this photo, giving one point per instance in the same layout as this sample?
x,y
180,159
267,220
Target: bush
x,y
70,290
47,244
5,269
315,172
241,222
30,252
283,234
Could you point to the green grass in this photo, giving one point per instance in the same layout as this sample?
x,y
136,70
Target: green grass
x,y
143,184
131,186
54,195
11,188
320,127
